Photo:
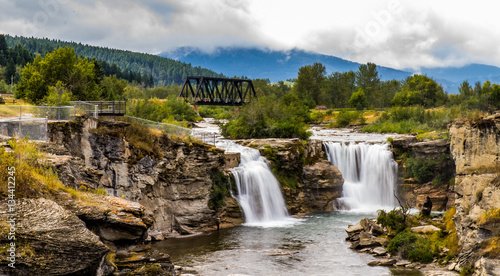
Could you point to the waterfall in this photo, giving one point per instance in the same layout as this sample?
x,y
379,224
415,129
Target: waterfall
x,y
259,193
370,175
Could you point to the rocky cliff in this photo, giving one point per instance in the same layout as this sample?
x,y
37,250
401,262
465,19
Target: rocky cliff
x,y
426,169
309,182
172,178
475,146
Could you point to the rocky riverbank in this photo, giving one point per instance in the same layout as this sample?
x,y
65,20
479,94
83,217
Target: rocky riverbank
x,y
372,238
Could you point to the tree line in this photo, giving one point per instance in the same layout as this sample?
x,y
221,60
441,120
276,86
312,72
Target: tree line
x,y
164,71
363,89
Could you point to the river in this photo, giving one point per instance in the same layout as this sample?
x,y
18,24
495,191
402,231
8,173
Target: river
x,y
315,245
310,245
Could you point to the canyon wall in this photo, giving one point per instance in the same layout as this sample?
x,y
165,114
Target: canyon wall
x,y
426,169
475,146
172,178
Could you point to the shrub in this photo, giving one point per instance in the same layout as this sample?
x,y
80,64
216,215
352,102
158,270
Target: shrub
x,y
418,120
424,170
412,247
317,117
270,118
219,191
394,220
160,110
345,118
215,112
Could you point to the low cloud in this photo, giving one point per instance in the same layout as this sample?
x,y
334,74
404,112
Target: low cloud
x,y
391,33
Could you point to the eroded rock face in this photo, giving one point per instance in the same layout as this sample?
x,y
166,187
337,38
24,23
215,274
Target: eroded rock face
x,y
53,241
436,154
321,185
174,189
113,219
476,149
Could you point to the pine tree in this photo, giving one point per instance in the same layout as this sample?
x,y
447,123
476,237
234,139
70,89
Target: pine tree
x,y
3,51
10,71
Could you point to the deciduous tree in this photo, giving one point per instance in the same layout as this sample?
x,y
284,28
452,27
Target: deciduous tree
x,y
310,82
76,74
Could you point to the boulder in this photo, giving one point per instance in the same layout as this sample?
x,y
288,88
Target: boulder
x,y
113,219
426,229
379,251
52,241
353,232
383,262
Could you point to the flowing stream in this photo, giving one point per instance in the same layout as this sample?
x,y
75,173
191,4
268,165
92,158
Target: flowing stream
x,y
270,242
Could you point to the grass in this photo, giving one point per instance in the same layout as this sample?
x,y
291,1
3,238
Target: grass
x,y
33,176
144,140
490,216
491,247
428,124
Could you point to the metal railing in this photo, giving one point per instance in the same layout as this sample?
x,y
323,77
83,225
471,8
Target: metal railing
x,y
34,128
206,137
27,111
165,127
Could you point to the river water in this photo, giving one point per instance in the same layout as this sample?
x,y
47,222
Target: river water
x,y
315,245
273,243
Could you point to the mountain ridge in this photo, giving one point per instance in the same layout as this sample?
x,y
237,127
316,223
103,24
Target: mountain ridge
x,y
275,65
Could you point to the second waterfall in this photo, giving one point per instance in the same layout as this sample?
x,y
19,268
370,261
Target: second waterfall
x,y
370,175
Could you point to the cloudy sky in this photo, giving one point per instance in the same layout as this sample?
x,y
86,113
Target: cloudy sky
x,y
395,33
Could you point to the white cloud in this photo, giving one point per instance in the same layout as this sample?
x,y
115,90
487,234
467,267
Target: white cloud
x,y
393,33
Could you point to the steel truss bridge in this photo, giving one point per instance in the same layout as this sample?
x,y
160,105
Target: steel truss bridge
x,y
217,91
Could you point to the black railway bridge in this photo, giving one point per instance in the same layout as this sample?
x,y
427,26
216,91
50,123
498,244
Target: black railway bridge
x,y
217,91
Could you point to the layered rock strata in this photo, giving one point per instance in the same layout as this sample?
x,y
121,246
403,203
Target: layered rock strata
x,y
475,146
434,159
173,182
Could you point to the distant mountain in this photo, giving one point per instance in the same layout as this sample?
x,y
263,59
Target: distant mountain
x,y
283,65
454,76
269,64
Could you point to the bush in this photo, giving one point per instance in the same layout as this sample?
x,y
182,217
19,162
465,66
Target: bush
x,y
423,170
395,220
215,112
345,118
161,110
412,247
418,120
270,118
317,117
219,191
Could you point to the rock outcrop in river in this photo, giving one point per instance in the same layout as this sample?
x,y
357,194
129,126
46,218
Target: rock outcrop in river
x,y
310,183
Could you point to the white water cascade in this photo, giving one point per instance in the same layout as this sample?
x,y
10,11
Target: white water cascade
x,y
370,175
259,192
